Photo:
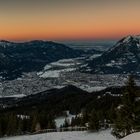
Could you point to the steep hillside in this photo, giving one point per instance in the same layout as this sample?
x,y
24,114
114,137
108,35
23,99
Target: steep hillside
x,y
16,58
122,58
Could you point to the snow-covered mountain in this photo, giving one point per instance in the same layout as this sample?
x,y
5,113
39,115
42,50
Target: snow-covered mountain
x,y
16,58
122,58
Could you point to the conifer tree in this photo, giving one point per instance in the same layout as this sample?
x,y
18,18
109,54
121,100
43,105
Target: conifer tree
x,y
66,123
94,121
1,127
72,121
12,125
34,123
20,126
4,124
85,117
126,117
51,124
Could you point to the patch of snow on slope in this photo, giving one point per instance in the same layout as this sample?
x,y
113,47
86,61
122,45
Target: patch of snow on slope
x,y
138,45
91,88
126,40
55,73
60,120
47,67
14,96
138,36
103,135
134,136
94,56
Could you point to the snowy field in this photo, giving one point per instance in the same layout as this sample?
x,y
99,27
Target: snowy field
x,y
103,135
54,69
75,135
134,136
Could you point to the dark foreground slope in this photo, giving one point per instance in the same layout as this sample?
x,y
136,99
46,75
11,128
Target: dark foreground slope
x,y
68,98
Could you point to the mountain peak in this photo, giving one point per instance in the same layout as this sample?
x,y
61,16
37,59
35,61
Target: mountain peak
x,y
130,38
128,43
123,57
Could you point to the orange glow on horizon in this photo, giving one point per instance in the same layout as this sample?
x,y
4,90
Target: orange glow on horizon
x,y
70,20
103,33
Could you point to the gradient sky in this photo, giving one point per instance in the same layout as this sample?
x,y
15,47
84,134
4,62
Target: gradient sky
x,y
68,19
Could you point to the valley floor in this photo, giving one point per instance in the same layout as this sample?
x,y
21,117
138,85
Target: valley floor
x,y
103,135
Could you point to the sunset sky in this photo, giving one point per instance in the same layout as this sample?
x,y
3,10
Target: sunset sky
x,y
68,19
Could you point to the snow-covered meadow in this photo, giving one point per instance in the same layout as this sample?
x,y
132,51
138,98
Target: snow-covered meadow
x,y
103,135
76,135
134,136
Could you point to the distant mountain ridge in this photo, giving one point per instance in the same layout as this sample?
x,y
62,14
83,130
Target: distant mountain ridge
x,y
122,58
16,58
